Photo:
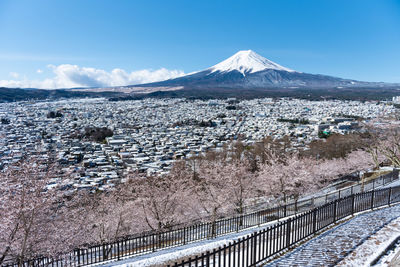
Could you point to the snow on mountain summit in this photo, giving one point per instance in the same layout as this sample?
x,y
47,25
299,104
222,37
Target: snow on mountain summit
x,y
247,61
248,70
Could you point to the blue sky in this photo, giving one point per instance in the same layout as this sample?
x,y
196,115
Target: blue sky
x,y
54,43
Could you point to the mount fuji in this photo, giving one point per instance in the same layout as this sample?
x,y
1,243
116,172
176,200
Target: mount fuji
x,y
249,70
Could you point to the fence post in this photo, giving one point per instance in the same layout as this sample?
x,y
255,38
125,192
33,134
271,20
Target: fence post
x,y
352,204
390,196
255,249
334,210
79,257
352,189
118,256
314,221
184,235
339,193
372,199
153,243
285,211
373,184
288,230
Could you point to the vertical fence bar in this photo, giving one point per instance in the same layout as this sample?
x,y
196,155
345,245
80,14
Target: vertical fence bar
x,y
334,210
372,199
288,232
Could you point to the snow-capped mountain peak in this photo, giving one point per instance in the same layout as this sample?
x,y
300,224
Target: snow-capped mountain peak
x,y
247,61
248,70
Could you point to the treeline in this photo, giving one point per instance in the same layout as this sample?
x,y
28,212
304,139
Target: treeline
x,y
16,94
358,94
96,134
294,121
193,122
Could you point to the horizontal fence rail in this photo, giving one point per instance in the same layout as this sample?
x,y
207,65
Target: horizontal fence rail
x,y
152,241
263,245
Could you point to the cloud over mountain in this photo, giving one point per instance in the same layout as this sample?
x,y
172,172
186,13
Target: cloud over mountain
x,y
68,76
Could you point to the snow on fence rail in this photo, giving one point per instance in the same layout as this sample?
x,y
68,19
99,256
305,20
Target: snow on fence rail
x,y
152,241
267,243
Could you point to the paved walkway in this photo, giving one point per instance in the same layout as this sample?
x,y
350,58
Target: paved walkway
x,y
335,244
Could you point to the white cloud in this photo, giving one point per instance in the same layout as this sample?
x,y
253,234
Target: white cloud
x,y
68,76
39,71
14,75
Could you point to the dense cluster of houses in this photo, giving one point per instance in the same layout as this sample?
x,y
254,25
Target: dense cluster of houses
x,y
150,134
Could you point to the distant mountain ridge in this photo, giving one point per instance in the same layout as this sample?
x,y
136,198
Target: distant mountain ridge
x,y
18,94
249,70
244,75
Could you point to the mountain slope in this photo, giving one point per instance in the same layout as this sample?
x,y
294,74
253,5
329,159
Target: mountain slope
x,y
248,70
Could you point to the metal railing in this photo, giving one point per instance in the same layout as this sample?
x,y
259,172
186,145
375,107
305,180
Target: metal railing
x,y
152,241
265,244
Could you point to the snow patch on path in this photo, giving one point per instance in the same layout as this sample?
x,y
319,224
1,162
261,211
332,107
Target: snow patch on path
x,y
373,247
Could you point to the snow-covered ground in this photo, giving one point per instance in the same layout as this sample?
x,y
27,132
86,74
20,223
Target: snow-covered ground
x,y
392,258
373,247
338,243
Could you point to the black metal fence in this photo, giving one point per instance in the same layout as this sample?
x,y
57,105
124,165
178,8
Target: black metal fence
x,y
263,245
152,241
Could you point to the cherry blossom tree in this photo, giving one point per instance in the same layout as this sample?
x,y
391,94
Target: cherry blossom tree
x,y
288,178
389,146
386,142
31,214
358,160
241,183
210,192
110,216
327,170
162,200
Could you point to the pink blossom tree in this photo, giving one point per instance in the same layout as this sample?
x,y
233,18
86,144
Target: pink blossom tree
x,y
357,161
161,200
32,214
241,183
288,178
326,170
210,192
